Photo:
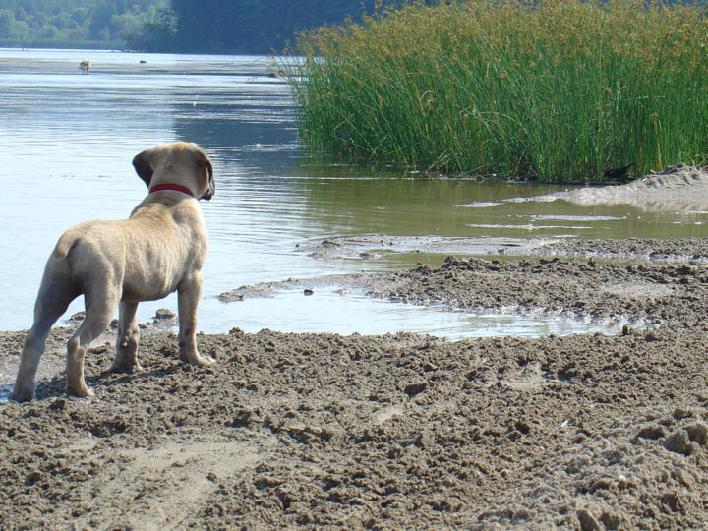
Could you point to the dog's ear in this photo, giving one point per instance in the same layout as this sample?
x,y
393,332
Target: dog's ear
x,y
204,164
141,163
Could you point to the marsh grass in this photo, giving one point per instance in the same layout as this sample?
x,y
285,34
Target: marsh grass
x,y
561,91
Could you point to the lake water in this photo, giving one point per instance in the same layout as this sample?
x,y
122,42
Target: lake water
x,y
66,144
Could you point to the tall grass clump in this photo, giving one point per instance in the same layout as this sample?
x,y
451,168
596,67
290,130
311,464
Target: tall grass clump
x,y
558,90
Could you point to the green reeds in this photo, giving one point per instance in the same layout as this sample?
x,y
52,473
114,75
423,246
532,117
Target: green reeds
x,y
559,91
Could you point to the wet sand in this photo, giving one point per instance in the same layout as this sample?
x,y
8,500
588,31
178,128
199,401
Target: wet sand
x,y
376,246
394,431
682,188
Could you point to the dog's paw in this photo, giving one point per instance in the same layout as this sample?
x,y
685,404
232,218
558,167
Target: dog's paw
x,y
126,369
199,360
205,361
22,396
82,392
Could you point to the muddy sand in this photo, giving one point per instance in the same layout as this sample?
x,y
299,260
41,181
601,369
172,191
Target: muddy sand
x,y
394,431
680,187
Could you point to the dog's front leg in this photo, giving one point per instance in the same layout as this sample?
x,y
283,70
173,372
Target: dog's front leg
x,y
188,294
128,339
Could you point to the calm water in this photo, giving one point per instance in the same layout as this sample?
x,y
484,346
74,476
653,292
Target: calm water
x,y
66,145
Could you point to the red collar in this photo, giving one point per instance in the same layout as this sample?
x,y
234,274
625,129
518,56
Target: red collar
x,y
171,186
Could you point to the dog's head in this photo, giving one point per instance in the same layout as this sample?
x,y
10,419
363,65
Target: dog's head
x,y
177,163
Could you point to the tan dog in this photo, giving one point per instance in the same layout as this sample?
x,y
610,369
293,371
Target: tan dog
x,y
159,249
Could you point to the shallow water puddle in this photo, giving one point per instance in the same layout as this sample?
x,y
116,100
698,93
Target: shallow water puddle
x,y
326,310
5,390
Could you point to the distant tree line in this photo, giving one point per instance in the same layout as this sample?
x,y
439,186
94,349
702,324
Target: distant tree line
x,y
256,25
236,26
78,22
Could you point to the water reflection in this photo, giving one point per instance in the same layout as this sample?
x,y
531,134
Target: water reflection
x,y
291,311
442,207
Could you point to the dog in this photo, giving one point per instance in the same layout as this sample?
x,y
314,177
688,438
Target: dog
x,y
160,249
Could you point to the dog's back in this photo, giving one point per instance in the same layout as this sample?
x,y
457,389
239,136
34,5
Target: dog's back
x,y
161,248
145,256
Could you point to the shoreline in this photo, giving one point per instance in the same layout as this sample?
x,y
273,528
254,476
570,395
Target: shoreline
x,y
395,430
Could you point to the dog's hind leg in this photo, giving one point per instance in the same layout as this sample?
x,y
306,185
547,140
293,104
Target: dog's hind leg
x,y
56,292
128,340
188,294
100,306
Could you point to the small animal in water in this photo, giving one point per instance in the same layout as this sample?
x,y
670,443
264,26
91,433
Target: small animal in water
x,y
85,66
617,173
161,248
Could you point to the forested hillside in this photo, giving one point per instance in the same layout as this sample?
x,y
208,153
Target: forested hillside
x,y
256,25
77,22
245,26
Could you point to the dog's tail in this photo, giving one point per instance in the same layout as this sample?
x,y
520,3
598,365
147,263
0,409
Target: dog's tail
x,y
58,280
65,245
62,254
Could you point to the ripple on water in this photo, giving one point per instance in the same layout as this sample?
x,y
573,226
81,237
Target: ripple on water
x,y
571,217
525,226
